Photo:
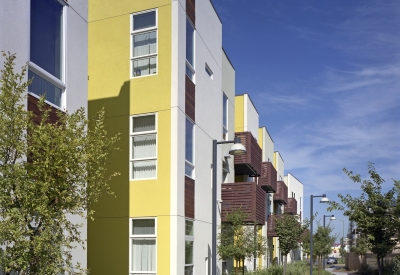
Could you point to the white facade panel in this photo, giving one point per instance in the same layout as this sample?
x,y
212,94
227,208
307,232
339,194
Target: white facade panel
x,y
267,145
279,165
250,117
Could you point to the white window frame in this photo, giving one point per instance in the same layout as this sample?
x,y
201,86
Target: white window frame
x,y
131,237
132,134
59,83
188,163
132,33
191,66
189,238
225,128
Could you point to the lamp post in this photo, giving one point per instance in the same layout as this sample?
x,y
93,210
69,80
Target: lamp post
x,y
323,199
342,242
236,149
332,218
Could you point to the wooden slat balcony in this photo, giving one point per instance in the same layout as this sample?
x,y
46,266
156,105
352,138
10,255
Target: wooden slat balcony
x,y
271,225
268,177
250,162
248,196
281,195
291,206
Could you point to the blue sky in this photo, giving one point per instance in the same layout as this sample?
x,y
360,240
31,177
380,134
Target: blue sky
x,y
325,79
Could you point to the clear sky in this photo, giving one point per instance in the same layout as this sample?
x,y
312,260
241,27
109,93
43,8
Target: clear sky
x,y
325,78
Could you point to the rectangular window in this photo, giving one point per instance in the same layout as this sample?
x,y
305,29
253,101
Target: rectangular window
x,y
189,148
47,50
143,141
189,49
209,71
144,43
143,246
189,240
225,117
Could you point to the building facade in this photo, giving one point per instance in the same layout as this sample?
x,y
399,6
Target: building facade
x,y
50,37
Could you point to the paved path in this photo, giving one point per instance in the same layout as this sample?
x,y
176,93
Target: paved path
x,y
331,269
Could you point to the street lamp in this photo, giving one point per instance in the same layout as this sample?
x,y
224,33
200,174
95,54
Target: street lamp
x,y
332,218
323,200
236,149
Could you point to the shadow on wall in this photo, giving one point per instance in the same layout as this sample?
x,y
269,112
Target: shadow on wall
x,y
354,262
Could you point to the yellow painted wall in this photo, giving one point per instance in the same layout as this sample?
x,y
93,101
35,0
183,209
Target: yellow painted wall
x,y
111,87
239,113
274,253
260,137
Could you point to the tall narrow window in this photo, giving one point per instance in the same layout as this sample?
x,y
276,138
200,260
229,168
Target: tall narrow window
x,y
46,50
144,43
189,240
143,246
143,147
189,49
225,117
189,148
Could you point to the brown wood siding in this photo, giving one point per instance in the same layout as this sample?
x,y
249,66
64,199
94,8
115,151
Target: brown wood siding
x,y
190,98
33,107
250,162
247,196
271,225
281,194
291,206
189,197
191,10
268,177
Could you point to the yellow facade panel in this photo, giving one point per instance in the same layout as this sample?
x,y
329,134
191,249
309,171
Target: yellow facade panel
x,y
239,113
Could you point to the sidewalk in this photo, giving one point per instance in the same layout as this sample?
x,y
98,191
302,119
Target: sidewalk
x,y
331,269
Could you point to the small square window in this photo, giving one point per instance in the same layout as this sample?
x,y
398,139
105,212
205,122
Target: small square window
x,y
209,71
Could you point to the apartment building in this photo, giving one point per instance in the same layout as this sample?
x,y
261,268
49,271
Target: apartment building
x,y
50,36
167,86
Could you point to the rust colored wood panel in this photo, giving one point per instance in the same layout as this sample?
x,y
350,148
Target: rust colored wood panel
x,y
291,206
190,98
247,196
271,225
281,194
191,10
33,107
189,197
268,177
250,162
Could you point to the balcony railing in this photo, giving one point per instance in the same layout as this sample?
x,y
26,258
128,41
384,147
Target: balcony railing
x,y
271,225
268,177
247,196
281,195
249,163
291,206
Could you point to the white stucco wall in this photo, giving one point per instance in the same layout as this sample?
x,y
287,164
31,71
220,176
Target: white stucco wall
x,y
250,117
267,144
279,165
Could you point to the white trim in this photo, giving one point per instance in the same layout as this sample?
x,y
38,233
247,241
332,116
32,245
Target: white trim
x,y
131,134
132,33
131,236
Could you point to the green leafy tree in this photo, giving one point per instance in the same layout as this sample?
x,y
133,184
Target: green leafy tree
x,y
289,231
361,247
322,243
342,250
238,241
375,212
48,173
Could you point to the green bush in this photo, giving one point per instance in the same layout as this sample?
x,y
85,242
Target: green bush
x,y
296,268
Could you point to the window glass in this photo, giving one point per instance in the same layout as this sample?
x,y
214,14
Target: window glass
x,y
189,140
189,42
145,66
188,270
144,123
46,35
188,252
144,169
145,43
41,87
144,146
144,20
188,228
143,227
225,110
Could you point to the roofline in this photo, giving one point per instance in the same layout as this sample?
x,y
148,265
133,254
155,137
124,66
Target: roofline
x,y
230,62
280,156
267,133
216,11
294,177
250,101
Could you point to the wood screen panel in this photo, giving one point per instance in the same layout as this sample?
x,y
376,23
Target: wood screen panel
x,y
268,177
250,162
191,10
291,206
281,194
189,197
190,98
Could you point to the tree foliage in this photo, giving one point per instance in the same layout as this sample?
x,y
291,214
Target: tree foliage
x,y
361,248
238,241
376,212
289,231
322,242
49,172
